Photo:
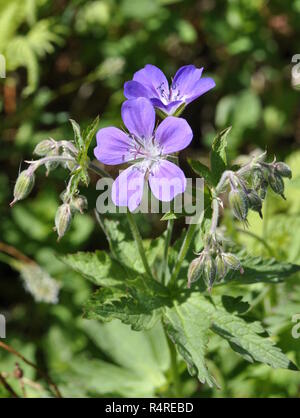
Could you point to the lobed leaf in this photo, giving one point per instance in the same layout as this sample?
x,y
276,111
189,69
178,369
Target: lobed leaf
x,y
188,327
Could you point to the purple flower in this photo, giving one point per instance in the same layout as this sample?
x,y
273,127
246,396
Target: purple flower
x,y
147,148
186,86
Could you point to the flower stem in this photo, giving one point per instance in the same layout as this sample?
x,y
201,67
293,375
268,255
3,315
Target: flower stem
x,y
174,366
183,251
133,226
138,239
166,249
215,215
59,158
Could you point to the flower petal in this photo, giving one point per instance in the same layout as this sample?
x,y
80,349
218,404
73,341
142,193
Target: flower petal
x,y
112,146
202,86
134,89
139,117
185,79
152,78
173,134
127,189
167,180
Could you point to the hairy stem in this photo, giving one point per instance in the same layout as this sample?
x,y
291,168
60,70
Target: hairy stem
x,y
174,366
215,215
35,164
138,239
133,226
182,253
166,249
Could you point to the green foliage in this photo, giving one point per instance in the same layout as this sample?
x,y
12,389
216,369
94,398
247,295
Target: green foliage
x,y
25,50
188,328
220,337
218,158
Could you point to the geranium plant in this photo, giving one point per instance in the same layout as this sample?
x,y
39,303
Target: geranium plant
x,y
181,283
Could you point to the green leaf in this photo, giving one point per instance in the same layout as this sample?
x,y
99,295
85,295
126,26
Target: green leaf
x,y
258,269
139,304
116,340
188,327
90,132
125,372
201,170
245,338
218,158
77,134
98,267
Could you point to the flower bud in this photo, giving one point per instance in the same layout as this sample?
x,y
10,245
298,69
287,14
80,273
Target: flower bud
x,y
79,203
255,202
221,267
52,165
283,170
239,204
262,192
257,179
63,219
209,272
231,261
23,186
69,164
44,147
195,270
276,183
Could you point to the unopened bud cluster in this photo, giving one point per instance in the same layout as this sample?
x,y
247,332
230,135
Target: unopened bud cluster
x,y
248,186
247,190
66,211
213,263
53,154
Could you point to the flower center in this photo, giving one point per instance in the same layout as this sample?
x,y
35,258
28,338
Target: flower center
x,y
169,95
147,149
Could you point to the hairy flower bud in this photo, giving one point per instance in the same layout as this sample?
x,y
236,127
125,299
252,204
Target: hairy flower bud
x,y
262,192
69,164
210,272
63,219
23,186
44,147
283,170
239,204
221,267
231,261
195,270
79,203
257,179
52,165
276,183
255,202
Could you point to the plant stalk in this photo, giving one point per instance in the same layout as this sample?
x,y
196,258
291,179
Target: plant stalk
x,y
183,251
133,226
166,249
174,366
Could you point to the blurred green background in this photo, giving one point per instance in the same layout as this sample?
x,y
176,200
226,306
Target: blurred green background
x,y
70,59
